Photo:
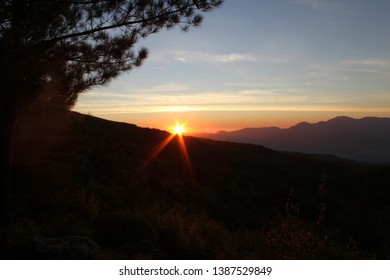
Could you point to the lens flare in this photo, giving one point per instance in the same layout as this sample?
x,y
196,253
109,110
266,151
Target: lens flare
x,y
177,133
179,129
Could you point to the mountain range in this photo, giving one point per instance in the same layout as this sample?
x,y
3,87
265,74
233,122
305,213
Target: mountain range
x,y
366,139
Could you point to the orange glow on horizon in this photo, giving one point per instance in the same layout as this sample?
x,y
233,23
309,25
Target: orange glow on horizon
x,y
214,121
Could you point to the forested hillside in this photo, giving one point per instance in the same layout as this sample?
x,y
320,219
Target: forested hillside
x,y
116,185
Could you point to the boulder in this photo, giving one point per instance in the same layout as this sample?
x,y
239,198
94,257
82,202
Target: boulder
x,y
62,248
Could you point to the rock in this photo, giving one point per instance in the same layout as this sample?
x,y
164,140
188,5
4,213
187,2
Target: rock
x,y
62,248
144,247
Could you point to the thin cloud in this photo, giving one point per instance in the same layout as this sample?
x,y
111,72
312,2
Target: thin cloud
x,y
368,65
258,92
366,70
168,88
337,71
227,58
256,99
317,4
198,101
184,56
243,84
368,62
106,94
188,56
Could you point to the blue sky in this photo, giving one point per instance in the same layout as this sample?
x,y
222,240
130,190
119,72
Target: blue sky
x,y
258,63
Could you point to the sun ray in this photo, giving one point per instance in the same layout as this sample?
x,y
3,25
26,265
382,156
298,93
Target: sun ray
x,y
178,131
161,147
186,157
155,152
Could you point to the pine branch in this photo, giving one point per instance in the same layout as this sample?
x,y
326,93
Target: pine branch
x,y
113,26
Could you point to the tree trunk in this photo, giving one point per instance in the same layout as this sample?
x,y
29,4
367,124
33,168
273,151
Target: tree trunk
x,y
11,85
7,135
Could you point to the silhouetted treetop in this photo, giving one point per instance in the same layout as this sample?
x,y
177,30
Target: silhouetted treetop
x,y
61,48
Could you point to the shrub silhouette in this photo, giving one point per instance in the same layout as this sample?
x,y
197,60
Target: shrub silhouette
x,y
185,233
116,229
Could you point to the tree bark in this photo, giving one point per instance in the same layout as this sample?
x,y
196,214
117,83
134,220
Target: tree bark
x,y
7,136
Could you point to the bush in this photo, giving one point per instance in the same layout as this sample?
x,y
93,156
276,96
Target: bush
x,y
117,229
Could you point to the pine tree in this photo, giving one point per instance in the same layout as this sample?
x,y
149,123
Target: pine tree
x,y
53,50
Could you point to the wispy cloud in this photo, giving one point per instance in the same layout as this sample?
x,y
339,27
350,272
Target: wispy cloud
x,y
199,101
244,84
186,56
251,99
317,4
368,65
346,70
258,92
226,58
368,62
169,87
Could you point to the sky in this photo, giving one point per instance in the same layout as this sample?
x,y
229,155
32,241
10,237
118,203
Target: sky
x,y
256,63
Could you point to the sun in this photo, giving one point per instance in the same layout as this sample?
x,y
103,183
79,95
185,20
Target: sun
x,y
179,129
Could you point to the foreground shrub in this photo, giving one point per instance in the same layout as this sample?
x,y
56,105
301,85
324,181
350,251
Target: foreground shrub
x,y
116,229
185,233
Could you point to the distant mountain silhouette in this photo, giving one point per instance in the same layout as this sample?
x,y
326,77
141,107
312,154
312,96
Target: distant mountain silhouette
x,y
365,139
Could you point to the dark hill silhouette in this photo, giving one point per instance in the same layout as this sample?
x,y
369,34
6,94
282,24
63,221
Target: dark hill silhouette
x,y
92,179
365,139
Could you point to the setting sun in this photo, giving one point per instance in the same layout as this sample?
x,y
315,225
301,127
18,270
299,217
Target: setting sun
x,y
178,129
